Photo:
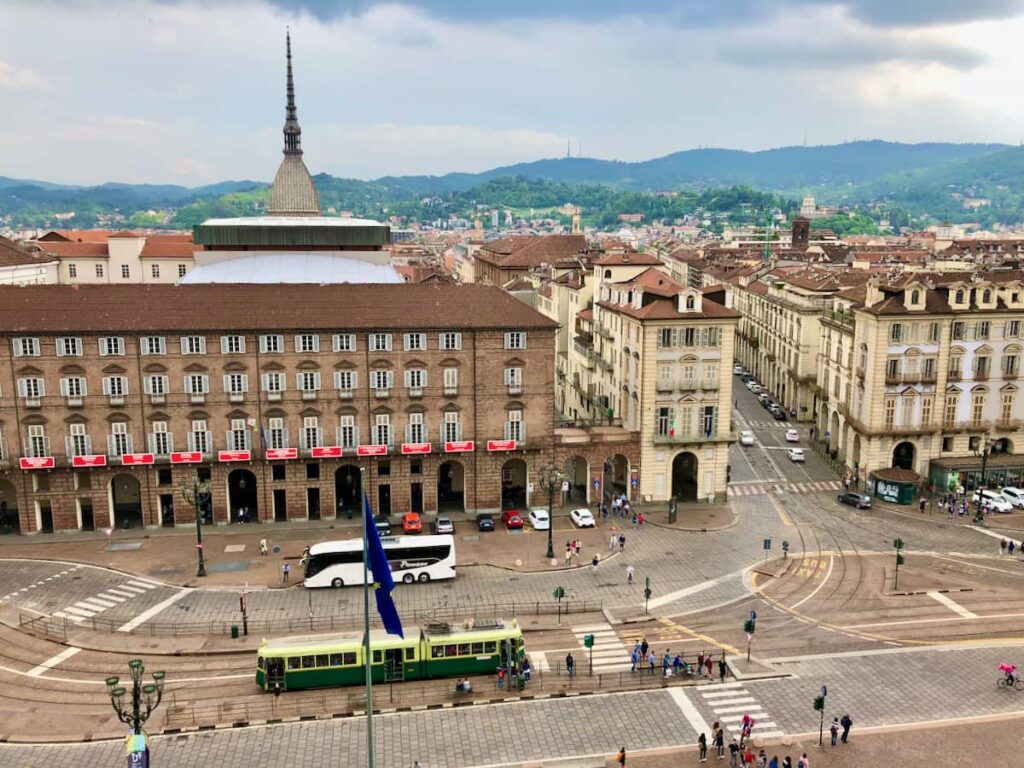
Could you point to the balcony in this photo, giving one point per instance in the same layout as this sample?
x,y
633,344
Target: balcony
x,y
1011,374
696,437
236,397
929,377
860,372
382,394
954,375
274,396
911,378
197,398
117,400
415,391
33,402
666,385
893,378
451,391
515,389
74,402
981,375
158,398
1008,425
309,394
602,330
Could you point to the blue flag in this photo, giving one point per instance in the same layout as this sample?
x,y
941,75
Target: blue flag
x,y
383,584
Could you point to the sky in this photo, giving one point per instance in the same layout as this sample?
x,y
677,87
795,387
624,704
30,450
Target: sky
x,y
184,92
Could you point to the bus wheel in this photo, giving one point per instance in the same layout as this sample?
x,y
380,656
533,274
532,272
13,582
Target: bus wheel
x,y
408,578
337,583
424,578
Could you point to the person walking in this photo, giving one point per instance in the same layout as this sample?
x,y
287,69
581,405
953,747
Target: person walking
x,y
1010,547
847,723
734,754
263,546
611,542
1002,546
651,661
570,664
644,647
629,574
719,740
702,747
787,762
804,761
774,762
700,663
634,659
286,570
622,542
708,663
834,730
621,757
594,561
666,663
722,669
568,552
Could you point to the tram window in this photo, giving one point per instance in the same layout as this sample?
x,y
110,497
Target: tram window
x,y
336,660
308,662
294,662
490,647
451,650
321,660
260,663
437,651
410,654
377,657
478,648
464,649
349,659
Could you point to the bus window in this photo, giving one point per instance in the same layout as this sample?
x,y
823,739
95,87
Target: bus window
x,y
321,660
294,662
478,648
336,660
437,651
308,662
349,658
410,654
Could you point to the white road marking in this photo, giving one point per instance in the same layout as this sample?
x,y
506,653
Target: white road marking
x,y
67,653
145,616
745,699
80,611
815,591
95,602
143,584
951,604
657,602
121,592
693,717
105,596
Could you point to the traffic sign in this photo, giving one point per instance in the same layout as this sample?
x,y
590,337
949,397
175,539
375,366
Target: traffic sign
x,y
767,544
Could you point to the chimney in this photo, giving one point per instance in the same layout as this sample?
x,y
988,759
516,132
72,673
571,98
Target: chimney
x,y
872,294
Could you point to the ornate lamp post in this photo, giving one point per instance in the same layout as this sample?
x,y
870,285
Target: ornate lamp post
x,y
191,492
145,697
986,448
550,479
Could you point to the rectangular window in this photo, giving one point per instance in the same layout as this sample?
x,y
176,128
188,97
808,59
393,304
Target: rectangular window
x,y
277,435
238,436
73,387
929,369
415,380
663,421
382,429
514,380
115,386
308,381
232,345
896,332
274,382
311,435
199,437
193,345
452,427
182,269
1011,364
451,381
380,342
154,270
111,345
977,406
515,340
689,337
892,369
154,345
1006,405
155,385
926,410
271,343
126,272
307,342
197,384
119,442
381,381
450,340
933,332
415,341
160,439
38,442
950,409
78,442
514,428
1012,329
99,270
416,431
348,435
344,342
710,420
345,383
981,329
26,346
666,338
69,346
981,367
890,412
957,330
72,270
236,383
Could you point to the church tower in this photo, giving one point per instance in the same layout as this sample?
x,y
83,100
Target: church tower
x,y
293,193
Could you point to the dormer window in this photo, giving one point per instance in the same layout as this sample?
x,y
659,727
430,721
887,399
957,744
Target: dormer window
x,y
960,296
689,302
986,296
915,297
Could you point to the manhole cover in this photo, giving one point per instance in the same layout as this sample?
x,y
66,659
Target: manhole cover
x,y
231,565
124,546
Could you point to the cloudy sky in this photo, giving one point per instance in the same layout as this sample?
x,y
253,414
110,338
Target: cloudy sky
x,y
177,91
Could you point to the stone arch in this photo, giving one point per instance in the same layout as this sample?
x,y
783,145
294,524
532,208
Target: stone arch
x,y
125,497
833,431
577,474
513,484
243,496
9,518
451,487
685,466
615,476
904,455
348,490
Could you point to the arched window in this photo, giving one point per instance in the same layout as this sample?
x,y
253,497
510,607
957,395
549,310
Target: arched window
x,y
986,296
915,297
960,296
607,274
689,302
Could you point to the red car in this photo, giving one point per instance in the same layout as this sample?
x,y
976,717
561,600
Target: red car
x,y
411,523
512,519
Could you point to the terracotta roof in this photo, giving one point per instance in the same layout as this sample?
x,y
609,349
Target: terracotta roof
x,y
668,309
78,235
66,250
165,248
13,254
526,252
627,259
654,281
170,308
585,314
124,233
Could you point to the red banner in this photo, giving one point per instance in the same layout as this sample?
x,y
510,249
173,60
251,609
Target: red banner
x,y
459,446
276,454
132,459
187,457
38,462
408,448
326,452
371,450
501,445
91,460
233,456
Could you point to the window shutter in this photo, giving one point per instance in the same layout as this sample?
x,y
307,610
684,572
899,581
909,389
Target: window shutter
x,y
188,385
337,380
227,383
16,345
245,382
184,345
106,385
389,379
22,388
60,347
223,345
298,342
205,383
64,388
408,378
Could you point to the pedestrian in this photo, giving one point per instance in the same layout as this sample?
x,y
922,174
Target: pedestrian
x,y
708,663
702,746
640,520
847,723
746,727
722,668
734,754
634,521
748,758
416,764
804,761
501,678
1010,547
527,669
651,661
621,757
634,659
578,547
629,574
834,730
700,663
263,546
1021,547
644,647
719,738
594,561
286,570
921,505
611,543
677,665
570,664
666,664
774,762
1002,546
622,542
787,762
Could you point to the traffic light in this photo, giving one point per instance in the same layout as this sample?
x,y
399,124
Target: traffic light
x,y
647,593
819,703
588,641
558,593
749,626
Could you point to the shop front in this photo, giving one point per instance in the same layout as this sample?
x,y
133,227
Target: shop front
x,y
1001,470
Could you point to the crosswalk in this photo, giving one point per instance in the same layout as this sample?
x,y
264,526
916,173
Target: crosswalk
x,y
730,701
112,596
754,489
770,424
609,652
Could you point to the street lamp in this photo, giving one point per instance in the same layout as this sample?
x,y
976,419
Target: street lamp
x,y
985,449
550,479
145,696
191,492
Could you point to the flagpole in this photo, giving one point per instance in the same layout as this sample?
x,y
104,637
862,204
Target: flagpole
x,y
366,631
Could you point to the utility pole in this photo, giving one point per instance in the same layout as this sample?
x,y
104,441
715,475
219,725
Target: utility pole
x,y
898,544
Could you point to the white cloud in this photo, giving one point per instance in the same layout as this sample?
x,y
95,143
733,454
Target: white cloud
x,y
19,78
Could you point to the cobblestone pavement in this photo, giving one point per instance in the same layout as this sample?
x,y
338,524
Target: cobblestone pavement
x,y
884,688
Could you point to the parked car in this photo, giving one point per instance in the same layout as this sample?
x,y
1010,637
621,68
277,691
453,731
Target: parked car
x,y
539,520
1013,495
747,437
751,385
858,500
512,519
411,523
443,525
747,377
582,518
485,522
757,389
737,370
792,436
996,501
778,414
795,454
765,399
383,527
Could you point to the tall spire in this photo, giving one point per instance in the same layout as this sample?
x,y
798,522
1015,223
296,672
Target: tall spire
x,y
292,131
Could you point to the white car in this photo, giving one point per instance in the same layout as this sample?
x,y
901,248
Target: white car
x,y
795,454
747,437
538,519
582,518
738,370
792,436
1013,495
996,502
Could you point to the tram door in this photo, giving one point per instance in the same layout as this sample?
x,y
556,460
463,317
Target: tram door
x,y
394,668
275,674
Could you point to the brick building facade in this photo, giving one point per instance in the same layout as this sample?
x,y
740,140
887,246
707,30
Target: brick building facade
x,y
288,398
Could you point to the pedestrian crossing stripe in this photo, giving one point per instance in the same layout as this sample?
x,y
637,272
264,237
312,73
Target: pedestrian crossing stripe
x,y
727,699
756,489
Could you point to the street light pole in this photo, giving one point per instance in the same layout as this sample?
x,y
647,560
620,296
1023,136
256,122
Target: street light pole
x,y
550,479
985,450
191,493
145,697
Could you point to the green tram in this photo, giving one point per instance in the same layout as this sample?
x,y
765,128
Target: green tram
x,y
440,650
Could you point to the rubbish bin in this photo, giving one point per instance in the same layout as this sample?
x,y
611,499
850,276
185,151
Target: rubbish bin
x,y
234,631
